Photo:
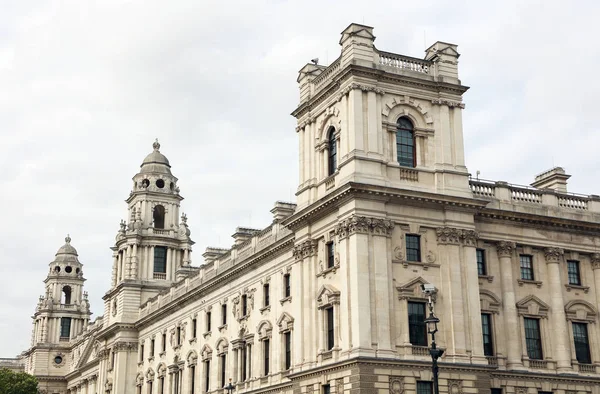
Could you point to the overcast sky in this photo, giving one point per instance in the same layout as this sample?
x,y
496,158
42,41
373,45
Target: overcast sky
x,y
86,86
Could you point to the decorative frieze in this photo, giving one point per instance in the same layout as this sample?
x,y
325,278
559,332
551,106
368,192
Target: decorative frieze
x,y
449,103
363,225
456,236
363,88
125,346
396,385
305,249
505,248
553,255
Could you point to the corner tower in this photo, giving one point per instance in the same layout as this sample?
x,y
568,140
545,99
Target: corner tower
x,y
153,247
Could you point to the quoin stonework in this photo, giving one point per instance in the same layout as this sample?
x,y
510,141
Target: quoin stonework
x,y
327,298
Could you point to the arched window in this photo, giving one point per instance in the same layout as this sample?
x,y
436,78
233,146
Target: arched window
x,y
159,216
405,143
66,295
331,144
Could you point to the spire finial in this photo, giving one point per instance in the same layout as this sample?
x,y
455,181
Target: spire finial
x,y
156,145
68,239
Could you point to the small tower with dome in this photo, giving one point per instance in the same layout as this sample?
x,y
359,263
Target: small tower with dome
x,y
153,245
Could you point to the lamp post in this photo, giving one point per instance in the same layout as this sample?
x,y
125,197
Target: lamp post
x,y
229,387
432,321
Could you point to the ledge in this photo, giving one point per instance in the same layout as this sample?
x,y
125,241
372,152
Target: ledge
x,y
585,289
489,278
193,340
424,264
207,334
286,299
265,309
530,282
328,270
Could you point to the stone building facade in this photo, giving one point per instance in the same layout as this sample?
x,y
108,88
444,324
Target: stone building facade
x,y
327,298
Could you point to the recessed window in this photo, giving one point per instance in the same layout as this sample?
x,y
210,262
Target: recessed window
x,y
266,295
326,389
526,262
424,387
405,143
330,328
416,324
223,368
287,290
413,247
57,269
164,342
58,360
266,355
160,183
77,270
178,335
159,217
68,269
582,343
533,338
332,148
481,264
287,342
160,260
223,314
145,183
172,186
66,295
244,305
194,327
486,329
208,321
573,271
65,327
330,255
152,345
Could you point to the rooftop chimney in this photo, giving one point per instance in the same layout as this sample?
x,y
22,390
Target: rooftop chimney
x,y
554,179
242,234
282,210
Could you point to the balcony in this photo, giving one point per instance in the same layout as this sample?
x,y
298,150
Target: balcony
x,y
420,351
159,275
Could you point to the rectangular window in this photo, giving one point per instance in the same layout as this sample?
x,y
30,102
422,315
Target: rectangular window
x,y
326,389
65,327
495,391
330,328
223,367
413,247
141,352
544,392
287,291
223,314
481,265
573,271
194,327
330,255
160,259
533,338
243,356
486,329
266,353
582,344
192,379
152,344
178,336
424,387
207,375
208,321
287,339
416,324
526,266
266,295
244,305
164,342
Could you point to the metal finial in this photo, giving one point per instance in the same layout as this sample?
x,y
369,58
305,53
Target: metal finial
x,y
68,239
156,145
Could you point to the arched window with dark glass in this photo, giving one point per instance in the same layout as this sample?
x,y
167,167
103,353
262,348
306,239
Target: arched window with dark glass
x,y
66,296
159,216
405,143
332,166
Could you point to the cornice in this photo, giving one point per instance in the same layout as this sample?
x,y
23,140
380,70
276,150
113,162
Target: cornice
x,y
114,328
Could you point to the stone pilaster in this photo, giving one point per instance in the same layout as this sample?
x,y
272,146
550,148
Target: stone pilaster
x,y
595,261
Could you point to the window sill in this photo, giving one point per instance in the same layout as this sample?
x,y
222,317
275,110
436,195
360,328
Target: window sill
x,y
489,278
140,363
193,340
530,282
206,335
150,359
286,299
242,318
329,270
424,264
265,309
177,347
585,289
162,354
223,328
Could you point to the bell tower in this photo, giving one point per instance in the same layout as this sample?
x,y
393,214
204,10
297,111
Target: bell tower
x,y
153,247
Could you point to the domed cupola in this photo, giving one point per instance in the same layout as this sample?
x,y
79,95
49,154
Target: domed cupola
x,y
156,162
66,261
155,174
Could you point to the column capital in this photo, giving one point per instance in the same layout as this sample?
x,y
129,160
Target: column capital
x,y
595,259
553,254
505,248
456,236
356,224
305,249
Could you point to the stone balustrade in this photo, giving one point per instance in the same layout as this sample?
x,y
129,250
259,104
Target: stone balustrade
x,y
406,63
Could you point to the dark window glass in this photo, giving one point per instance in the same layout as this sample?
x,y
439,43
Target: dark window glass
x,y
526,267
266,295
178,335
331,145
208,321
405,143
544,392
287,338
330,255
159,216
65,327
486,329
192,378
223,369
142,352
207,375
266,353
244,305
223,314
164,342
243,363
413,247
286,285
160,259
152,344
582,344
573,271
416,324
330,328
194,327
424,387
533,338
326,389
495,391
481,266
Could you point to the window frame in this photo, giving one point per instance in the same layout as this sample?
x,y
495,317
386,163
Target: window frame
x,y
424,383
408,240
587,357
287,287
488,350
266,345
417,329
287,350
531,342
223,314
208,321
329,328
330,257
162,262
65,326
266,295
481,263
407,156
526,270
331,152
576,275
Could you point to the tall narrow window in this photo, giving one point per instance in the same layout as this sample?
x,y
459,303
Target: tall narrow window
x,y
326,389
243,356
207,375
266,355
424,387
405,143
486,329
330,255
266,295
152,344
160,262
164,342
573,271
330,328
582,344
208,321
141,352
413,247
331,145
287,341
526,266
192,379
416,324
244,305
533,338
223,314
223,368
159,216
287,291
65,327
66,295
178,336
194,327
495,391
481,264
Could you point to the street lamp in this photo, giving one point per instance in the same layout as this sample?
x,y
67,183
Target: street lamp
x,y
432,321
229,387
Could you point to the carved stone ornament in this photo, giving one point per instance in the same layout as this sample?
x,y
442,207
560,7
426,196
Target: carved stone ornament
x,y
553,255
125,346
520,390
505,248
396,385
363,88
430,257
363,225
449,103
455,387
595,260
305,249
398,255
448,235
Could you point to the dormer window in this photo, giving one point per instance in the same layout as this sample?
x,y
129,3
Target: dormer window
x,y
332,156
405,143
159,216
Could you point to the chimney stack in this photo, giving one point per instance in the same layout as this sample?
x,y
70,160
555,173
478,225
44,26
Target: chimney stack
x,y
554,179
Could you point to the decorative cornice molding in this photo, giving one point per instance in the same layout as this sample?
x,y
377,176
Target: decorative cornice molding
x,y
553,255
505,248
125,346
356,86
305,249
449,103
456,236
356,224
